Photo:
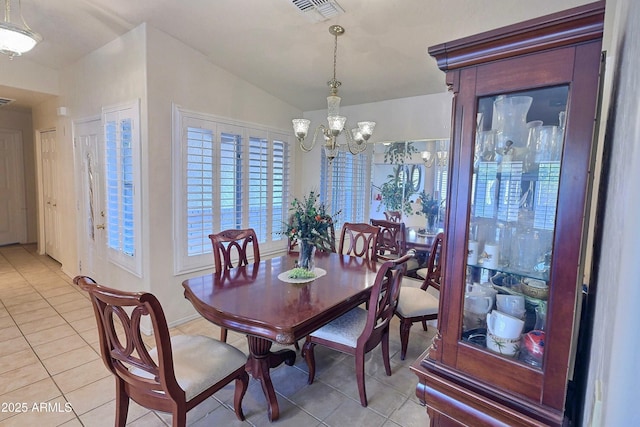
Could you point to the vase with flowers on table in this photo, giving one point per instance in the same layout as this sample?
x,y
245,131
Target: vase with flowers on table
x,y
310,225
429,207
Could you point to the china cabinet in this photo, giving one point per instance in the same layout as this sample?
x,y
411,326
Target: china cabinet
x,y
524,110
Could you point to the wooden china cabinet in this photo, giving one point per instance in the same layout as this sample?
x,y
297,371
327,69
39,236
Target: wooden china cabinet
x,y
524,111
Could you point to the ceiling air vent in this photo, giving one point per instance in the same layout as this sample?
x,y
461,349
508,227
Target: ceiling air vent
x,y
5,101
318,10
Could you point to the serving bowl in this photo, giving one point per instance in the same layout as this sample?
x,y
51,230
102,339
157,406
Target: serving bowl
x,y
535,288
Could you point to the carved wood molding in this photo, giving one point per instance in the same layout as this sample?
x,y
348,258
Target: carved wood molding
x,y
577,25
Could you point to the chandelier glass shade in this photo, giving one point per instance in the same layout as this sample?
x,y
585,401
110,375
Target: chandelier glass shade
x,y
440,157
356,137
15,39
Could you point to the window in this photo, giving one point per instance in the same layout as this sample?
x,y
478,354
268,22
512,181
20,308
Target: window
x,y
122,157
344,186
228,175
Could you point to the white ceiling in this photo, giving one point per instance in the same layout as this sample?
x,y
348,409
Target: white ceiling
x,y
382,55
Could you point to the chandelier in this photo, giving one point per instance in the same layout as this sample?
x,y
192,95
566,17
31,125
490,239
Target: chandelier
x,y
14,39
441,155
356,138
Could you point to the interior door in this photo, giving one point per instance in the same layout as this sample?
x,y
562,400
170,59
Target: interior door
x,y
92,235
12,197
50,191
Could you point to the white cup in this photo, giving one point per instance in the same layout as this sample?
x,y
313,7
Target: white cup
x,y
511,304
503,325
492,252
504,346
476,302
472,254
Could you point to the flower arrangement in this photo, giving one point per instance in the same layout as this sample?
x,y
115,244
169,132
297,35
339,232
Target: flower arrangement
x,y
309,222
429,207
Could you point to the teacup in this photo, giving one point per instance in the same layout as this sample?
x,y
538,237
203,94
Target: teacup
x,y
504,346
478,302
511,304
503,325
486,289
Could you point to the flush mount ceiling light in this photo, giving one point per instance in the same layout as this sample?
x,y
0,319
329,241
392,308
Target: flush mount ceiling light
x,y
15,39
356,138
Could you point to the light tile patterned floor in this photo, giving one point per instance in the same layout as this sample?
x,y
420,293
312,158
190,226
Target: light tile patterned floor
x,y
49,357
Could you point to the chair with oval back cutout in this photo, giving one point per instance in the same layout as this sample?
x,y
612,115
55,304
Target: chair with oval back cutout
x,y
359,239
391,239
394,216
229,245
359,331
418,304
179,373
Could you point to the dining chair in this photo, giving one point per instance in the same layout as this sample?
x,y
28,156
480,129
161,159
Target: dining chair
x,y
233,244
229,245
391,243
359,331
419,304
395,216
177,374
359,239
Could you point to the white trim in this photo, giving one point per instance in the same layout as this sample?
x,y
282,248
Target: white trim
x,y
132,264
180,121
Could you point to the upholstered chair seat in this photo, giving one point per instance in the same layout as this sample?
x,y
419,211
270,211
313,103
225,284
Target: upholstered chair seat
x,y
359,331
198,362
419,300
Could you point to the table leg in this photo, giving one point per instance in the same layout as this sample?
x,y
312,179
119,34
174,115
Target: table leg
x,y
260,361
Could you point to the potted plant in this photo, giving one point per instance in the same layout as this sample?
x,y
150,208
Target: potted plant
x,y
429,208
395,196
309,224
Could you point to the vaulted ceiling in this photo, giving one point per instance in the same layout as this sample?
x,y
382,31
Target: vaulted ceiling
x,y
275,46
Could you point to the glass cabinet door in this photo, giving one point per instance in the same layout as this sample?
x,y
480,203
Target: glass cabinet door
x,y
514,193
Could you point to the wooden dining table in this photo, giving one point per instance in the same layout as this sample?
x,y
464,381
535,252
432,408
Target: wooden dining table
x,y
414,239
252,300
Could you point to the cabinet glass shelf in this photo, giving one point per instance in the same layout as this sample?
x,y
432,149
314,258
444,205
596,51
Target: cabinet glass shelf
x,y
514,193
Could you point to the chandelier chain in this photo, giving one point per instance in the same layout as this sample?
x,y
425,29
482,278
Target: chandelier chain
x,y
335,55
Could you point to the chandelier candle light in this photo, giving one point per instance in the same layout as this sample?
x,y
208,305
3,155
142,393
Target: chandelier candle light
x,y
356,138
14,39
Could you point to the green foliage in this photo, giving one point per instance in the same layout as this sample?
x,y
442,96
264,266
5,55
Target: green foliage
x,y
395,197
397,152
429,206
309,221
301,273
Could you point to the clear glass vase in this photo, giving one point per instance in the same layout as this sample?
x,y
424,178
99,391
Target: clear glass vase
x,y
306,255
431,224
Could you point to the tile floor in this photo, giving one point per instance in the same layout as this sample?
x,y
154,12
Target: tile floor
x,y
51,373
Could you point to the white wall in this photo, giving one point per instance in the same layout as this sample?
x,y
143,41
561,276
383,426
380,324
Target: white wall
x,y
612,393
190,80
23,73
